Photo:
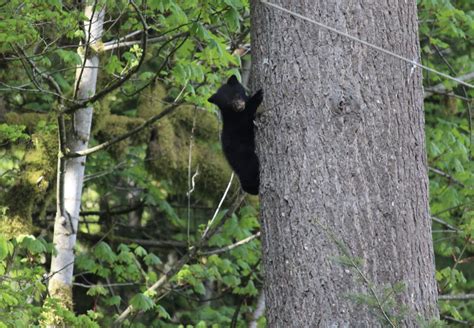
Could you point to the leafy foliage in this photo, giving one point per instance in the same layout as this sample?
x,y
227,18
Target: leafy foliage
x,y
23,284
447,34
137,220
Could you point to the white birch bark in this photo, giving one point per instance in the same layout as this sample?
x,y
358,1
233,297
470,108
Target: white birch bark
x,y
78,133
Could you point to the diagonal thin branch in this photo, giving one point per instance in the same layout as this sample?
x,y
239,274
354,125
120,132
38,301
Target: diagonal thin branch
x,y
193,251
163,64
124,136
441,88
446,175
446,224
124,79
49,79
232,246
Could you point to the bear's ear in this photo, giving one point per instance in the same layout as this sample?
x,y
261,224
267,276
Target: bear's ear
x,y
213,99
232,80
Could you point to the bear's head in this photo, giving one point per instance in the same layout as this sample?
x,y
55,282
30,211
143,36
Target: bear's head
x,y
230,97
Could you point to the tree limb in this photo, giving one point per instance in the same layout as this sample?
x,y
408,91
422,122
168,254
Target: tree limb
x,y
193,251
446,224
446,175
124,136
232,246
116,85
441,88
456,297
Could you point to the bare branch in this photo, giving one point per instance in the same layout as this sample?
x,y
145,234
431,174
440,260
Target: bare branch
x,y
124,136
441,88
232,246
119,44
114,212
209,224
116,85
107,285
456,297
446,175
142,242
193,251
446,224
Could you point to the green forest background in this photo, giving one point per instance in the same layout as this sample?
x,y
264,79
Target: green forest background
x,y
148,198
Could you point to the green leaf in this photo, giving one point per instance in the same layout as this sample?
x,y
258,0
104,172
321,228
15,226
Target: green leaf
x,y
33,245
114,65
69,57
232,18
201,324
8,299
141,302
199,288
140,251
3,248
151,259
162,312
114,300
97,290
12,133
103,252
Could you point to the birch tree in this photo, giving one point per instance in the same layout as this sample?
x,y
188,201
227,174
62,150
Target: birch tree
x,y
74,137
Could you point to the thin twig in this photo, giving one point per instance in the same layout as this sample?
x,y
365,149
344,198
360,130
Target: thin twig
x,y
193,251
341,245
124,136
456,297
441,87
163,64
116,85
446,175
446,224
106,285
232,246
190,179
209,224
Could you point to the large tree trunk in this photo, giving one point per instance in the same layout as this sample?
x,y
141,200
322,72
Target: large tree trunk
x,y
71,171
343,165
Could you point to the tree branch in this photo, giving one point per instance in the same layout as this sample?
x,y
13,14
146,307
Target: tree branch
x,y
124,136
456,297
49,79
441,88
446,224
446,175
165,61
142,242
193,251
259,310
232,246
118,44
114,212
116,85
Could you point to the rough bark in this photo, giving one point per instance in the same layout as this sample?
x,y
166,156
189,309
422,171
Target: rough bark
x,y
71,171
343,165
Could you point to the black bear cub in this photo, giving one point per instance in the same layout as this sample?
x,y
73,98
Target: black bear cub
x,y
238,113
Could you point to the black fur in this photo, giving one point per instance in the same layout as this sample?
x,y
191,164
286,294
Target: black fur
x,y
238,143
